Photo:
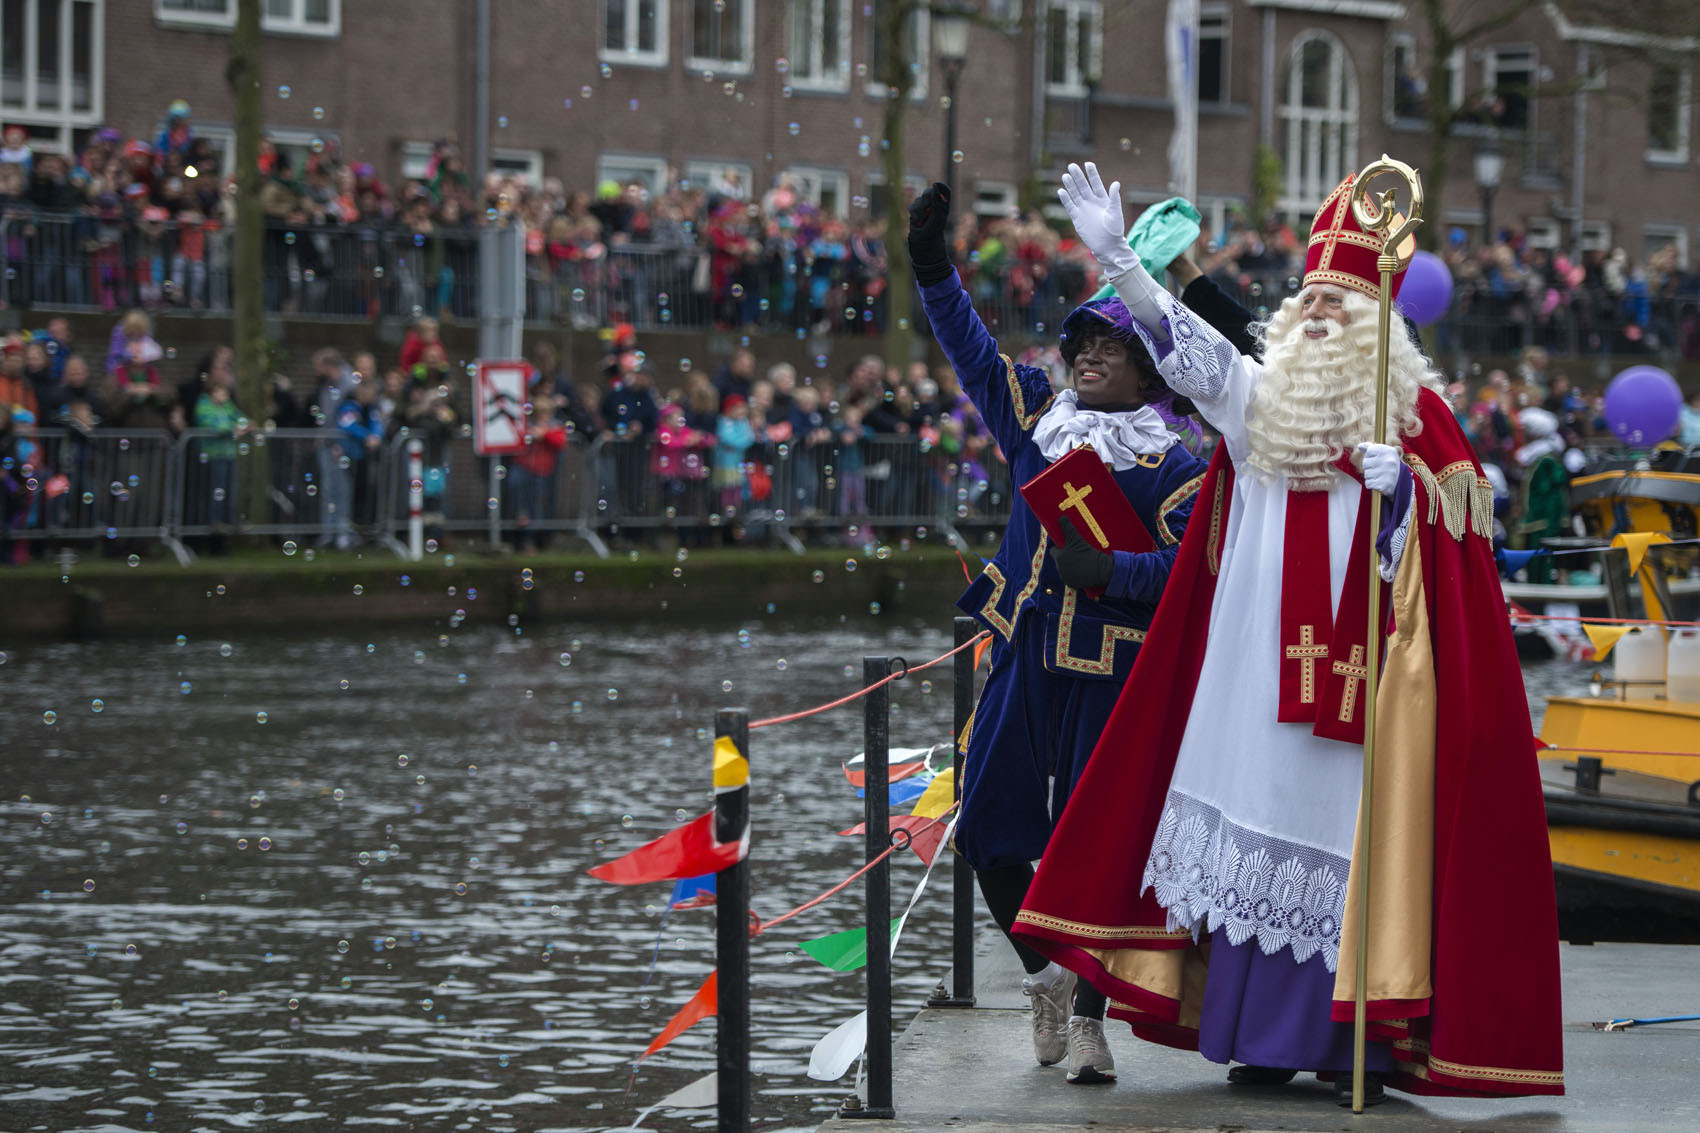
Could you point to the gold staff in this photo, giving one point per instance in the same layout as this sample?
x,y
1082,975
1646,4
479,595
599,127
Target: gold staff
x,y
1376,218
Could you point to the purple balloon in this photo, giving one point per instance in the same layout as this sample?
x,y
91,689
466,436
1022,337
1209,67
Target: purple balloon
x,y
1643,405
1426,293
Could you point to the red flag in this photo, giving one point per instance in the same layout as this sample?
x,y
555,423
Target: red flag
x,y
687,851
925,834
704,1003
859,777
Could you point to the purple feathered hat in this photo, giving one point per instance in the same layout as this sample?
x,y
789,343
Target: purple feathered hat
x,y
1110,316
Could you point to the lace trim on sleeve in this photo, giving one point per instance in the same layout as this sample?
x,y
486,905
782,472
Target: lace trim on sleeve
x,y
1389,563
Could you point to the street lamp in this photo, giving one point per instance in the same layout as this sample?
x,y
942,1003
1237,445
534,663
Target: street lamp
x,y
1490,166
950,37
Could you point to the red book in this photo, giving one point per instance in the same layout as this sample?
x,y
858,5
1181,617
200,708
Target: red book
x,y
1081,486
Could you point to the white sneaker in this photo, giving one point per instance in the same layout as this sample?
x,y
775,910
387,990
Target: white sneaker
x,y
1089,1058
1051,1004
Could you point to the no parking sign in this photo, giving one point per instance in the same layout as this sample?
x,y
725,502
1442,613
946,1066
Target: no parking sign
x,y
498,423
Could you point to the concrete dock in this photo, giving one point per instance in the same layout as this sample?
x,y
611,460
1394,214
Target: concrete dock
x,y
974,1070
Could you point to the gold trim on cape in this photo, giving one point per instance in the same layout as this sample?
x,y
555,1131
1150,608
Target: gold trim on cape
x,y
1180,495
1018,397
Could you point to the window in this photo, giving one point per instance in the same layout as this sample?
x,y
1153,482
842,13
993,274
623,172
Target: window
x,y
1541,232
1074,47
526,163
1510,78
634,31
995,198
1596,236
913,183
720,178
1657,237
1004,12
826,189
1319,121
1668,111
916,46
820,44
302,146
1406,95
650,172
722,35
1213,53
288,17
50,67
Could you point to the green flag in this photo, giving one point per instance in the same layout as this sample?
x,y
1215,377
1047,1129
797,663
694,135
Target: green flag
x,y
843,951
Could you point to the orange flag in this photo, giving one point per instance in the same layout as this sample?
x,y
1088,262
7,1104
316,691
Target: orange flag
x,y
980,648
704,1003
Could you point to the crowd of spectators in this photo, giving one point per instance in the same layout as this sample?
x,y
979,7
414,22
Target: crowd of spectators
x,y
143,222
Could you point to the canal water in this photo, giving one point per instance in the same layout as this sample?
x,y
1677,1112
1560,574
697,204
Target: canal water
x,y
252,882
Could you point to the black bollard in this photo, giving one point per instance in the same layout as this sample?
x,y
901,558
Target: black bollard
x,y
732,919
876,744
961,874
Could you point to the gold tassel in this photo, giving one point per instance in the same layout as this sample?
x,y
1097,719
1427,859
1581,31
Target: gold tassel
x,y
1431,487
1481,509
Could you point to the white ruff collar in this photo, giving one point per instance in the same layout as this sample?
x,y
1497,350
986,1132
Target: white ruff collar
x,y
1119,438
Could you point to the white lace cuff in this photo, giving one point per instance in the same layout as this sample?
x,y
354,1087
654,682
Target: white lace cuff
x,y
1388,559
1192,357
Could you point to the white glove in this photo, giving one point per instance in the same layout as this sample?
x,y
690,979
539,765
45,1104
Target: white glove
x,y
1381,465
1097,216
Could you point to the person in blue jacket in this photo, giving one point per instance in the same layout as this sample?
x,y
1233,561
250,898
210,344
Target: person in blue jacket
x,y
1059,657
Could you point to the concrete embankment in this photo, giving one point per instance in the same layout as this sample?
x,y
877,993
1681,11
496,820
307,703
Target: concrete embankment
x,y
267,590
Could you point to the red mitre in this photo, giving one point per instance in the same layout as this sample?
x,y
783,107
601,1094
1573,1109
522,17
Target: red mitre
x,y
1341,252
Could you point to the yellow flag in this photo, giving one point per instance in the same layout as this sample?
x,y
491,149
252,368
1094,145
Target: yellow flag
x,y
938,796
1636,543
731,770
1604,637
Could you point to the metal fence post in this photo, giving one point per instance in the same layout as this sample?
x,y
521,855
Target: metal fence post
x,y
961,874
876,745
732,919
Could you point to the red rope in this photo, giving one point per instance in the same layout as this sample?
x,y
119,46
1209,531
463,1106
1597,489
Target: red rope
x,y
1520,616
762,926
843,700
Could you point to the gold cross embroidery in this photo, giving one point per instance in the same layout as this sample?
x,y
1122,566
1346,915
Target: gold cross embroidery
x,y
1076,499
1307,652
1355,671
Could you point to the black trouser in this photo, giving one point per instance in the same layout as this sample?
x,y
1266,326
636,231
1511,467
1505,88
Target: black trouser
x,y
1004,889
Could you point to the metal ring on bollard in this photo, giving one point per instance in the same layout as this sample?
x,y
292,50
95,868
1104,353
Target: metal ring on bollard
x,y
901,838
898,667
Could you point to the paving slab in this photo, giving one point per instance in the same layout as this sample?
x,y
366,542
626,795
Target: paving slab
x,y
973,1069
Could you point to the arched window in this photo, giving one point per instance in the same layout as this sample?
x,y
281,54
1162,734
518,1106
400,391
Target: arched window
x,y
1319,121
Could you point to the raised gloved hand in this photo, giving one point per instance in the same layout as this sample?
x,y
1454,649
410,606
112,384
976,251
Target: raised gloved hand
x,y
1081,564
1097,215
1381,465
929,222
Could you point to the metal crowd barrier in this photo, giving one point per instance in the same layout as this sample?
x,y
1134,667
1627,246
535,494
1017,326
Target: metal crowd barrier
x,y
313,487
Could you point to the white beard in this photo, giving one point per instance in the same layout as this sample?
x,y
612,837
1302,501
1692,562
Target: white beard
x,y
1316,398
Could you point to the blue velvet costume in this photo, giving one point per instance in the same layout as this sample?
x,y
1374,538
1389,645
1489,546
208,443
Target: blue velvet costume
x,y
1059,658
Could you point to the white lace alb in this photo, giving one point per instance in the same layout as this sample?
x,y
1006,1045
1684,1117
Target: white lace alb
x,y
1209,872
1120,438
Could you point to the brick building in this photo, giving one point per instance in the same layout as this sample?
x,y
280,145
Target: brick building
x,y
756,89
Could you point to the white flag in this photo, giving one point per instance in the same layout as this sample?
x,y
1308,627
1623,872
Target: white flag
x,y
1180,43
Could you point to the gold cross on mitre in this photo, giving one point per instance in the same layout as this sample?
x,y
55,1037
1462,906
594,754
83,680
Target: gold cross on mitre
x,y
1076,498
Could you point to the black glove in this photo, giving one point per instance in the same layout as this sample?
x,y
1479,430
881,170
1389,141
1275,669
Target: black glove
x,y
929,220
1081,564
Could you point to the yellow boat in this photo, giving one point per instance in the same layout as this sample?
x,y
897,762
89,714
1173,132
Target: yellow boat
x,y
1622,788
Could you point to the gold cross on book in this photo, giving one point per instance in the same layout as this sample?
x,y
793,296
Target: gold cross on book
x,y
1356,672
1307,652
1076,499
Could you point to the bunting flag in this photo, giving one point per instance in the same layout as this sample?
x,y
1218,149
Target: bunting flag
x,y
1636,543
1604,637
686,851
693,893
1510,562
844,951
700,1094
838,1048
925,835
859,778
704,1003
938,796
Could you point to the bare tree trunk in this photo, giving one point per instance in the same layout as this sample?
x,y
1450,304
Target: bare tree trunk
x,y
892,28
242,73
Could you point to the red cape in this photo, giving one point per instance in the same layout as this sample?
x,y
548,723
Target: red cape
x,y
1490,1024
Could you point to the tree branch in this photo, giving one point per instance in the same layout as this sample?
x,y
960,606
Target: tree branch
x,y
1489,24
